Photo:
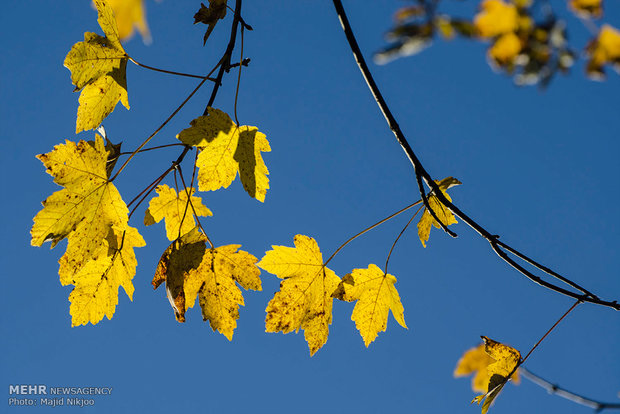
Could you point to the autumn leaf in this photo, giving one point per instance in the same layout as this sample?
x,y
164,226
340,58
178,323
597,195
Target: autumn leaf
x,y
91,214
130,14
443,214
496,18
505,49
210,16
305,296
96,284
505,362
191,270
376,295
98,66
476,361
173,208
587,8
603,50
225,150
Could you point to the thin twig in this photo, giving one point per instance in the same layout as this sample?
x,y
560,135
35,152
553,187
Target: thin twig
x,y
423,176
350,239
569,395
178,144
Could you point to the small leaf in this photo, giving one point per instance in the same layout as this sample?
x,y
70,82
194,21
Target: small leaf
x,y
506,359
587,8
376,296
605,49
130,14
305,297
476,361
173,207
443,214
496,18
210,15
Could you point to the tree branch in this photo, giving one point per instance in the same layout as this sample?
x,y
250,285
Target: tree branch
x,y
551,388
423,176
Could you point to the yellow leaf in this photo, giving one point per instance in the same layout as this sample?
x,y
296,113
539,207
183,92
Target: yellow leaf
x,y
96,284
445,215
476,360
587,8
98,68
603,50
496,18
214,283
505,361
226,149
505,49
173,207
210,15
91,214
444,25
376,295
305,297
191,270
130,14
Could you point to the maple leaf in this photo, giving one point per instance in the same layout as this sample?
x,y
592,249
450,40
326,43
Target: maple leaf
x,y
191,270
603,50
210,16
98,66
225,150
91,214
96,284
506,360
587,8
130,14
376,295
172,207
476,360
496,18
305,296
443,214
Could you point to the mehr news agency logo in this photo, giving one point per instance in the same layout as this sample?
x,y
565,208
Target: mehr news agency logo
x,y
42,395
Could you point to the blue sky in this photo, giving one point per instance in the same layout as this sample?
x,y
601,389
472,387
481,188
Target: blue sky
x,y
538,168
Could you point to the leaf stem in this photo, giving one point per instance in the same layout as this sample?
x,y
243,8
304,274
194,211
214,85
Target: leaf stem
x,y
171,72
189,203
350,239
387,260
549,331
154,148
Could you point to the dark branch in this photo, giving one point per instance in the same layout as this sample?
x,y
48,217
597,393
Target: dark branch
x,y
423,176
564,393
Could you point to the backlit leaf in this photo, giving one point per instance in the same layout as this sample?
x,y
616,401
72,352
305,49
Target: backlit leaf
x,y
305,296
225,150
495,18
505,361
173,207
191,270
96,284
98,66
605,49
210,15
376,295
130,14
91,214
475,361
443,213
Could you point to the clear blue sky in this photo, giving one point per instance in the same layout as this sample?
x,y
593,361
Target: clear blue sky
x,y
539,168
